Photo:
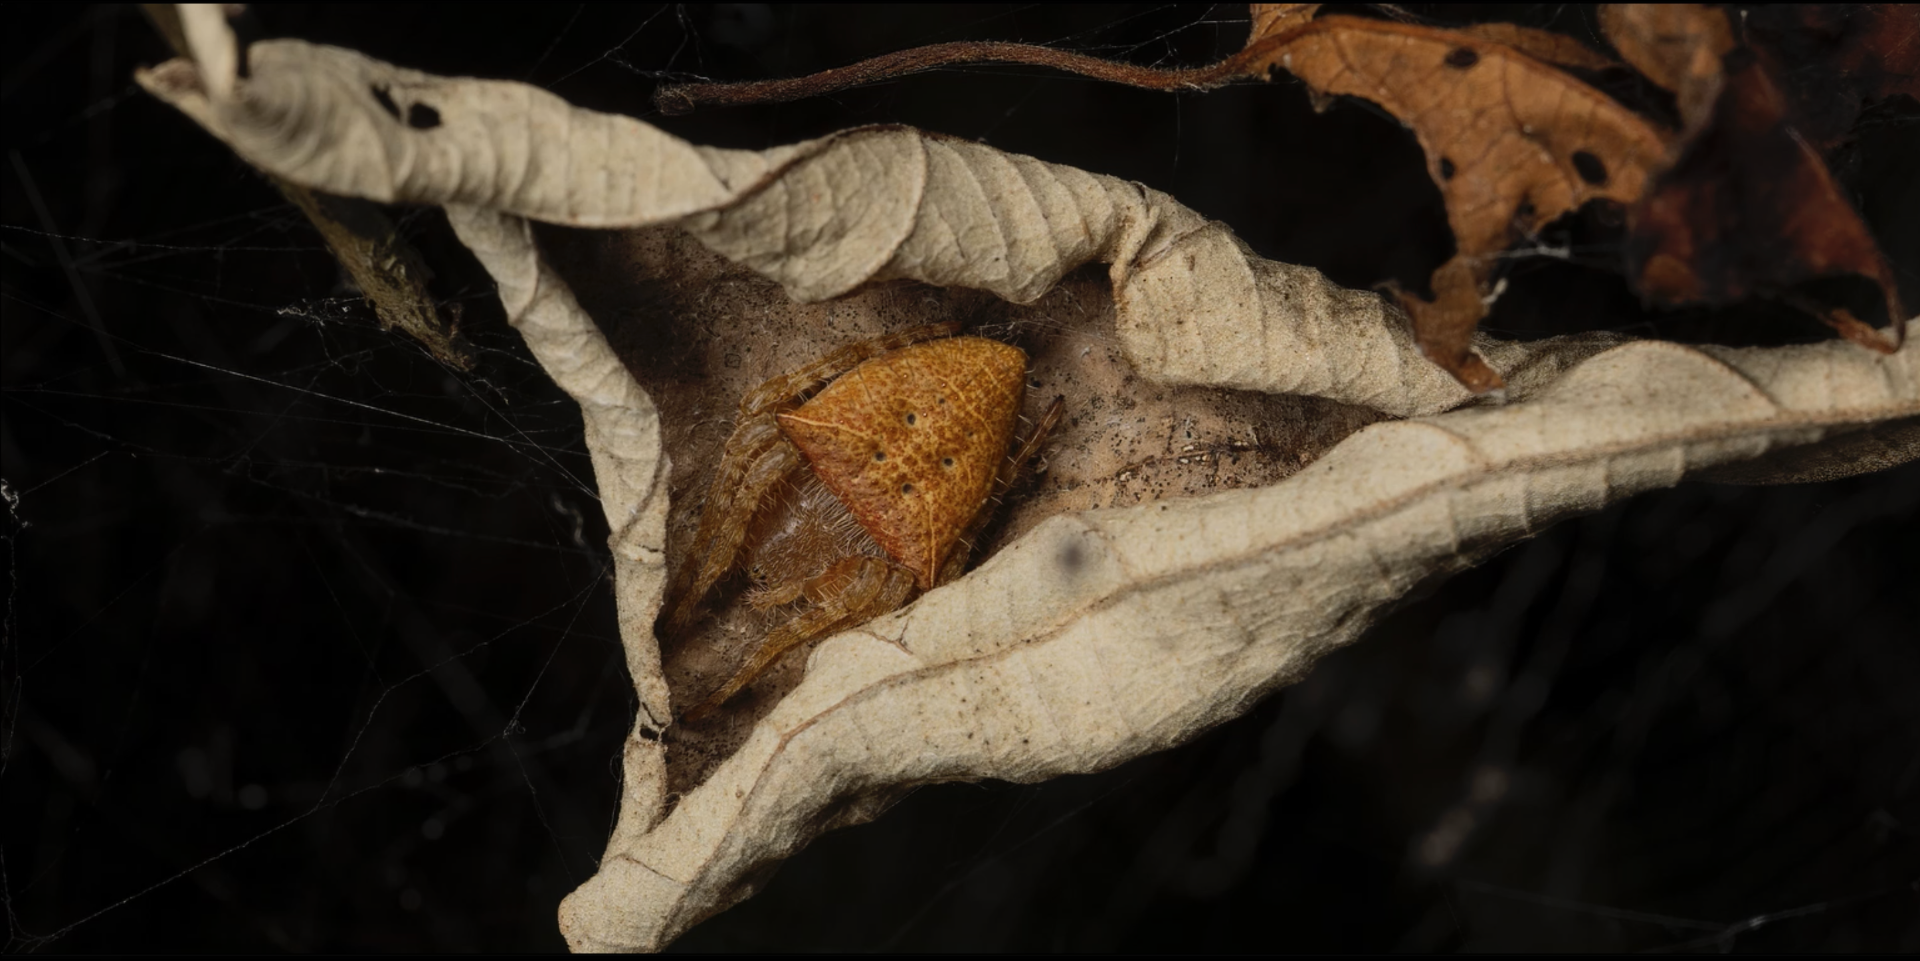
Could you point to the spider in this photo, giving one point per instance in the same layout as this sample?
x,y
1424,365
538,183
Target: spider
x,y
852,501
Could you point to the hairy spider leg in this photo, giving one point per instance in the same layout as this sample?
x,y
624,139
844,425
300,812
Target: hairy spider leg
x,y
859,589
856,590
758,459
791,386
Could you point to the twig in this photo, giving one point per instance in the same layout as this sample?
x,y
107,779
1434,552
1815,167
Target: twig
x,y
684,98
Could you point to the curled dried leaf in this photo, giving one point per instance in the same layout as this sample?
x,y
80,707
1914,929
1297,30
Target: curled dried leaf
x,y
822,218
1093,635
368,246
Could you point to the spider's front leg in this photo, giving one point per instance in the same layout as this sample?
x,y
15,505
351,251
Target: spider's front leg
x,y
758,459
779,391
853,591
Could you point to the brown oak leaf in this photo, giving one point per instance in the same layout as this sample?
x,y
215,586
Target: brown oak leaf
x,y
1513,142
1554,48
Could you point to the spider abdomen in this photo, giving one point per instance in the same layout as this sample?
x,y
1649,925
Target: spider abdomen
x,y
911,442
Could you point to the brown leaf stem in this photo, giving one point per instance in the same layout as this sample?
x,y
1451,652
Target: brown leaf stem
x,y
685,98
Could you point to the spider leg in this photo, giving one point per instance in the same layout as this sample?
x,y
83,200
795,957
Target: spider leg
x,y
778,391
768,598
855,590
1003,481
780,593
758,458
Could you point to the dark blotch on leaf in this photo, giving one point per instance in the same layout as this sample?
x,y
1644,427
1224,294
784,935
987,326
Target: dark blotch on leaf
x,y
385,100
1072,558
1591,169
1462,57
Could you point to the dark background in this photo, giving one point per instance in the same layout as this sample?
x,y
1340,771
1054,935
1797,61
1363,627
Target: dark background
x,y
309,642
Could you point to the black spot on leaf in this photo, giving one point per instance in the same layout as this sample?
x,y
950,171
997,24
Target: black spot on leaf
x,y
1071,558
385,100
1590,168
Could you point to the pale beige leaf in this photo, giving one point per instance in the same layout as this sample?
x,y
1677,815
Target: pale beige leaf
x,y
823,217
1107,635
1098,635
622,434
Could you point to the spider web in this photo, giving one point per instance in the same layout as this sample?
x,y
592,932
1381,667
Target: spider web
x,y
309,641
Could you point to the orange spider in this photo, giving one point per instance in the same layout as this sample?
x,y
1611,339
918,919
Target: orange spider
x,y
863,495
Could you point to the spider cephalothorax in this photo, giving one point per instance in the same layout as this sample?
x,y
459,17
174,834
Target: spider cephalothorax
x,y
863,494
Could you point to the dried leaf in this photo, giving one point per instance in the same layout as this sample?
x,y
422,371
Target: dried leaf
x,y
1274,18
1748,206
1538,142
849,209
1093,636
1104,635
1512,142
1830,60
368,246
1676,45
1749,209
1555,48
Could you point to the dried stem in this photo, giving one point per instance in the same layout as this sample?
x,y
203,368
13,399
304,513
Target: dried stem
x,y
684,98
